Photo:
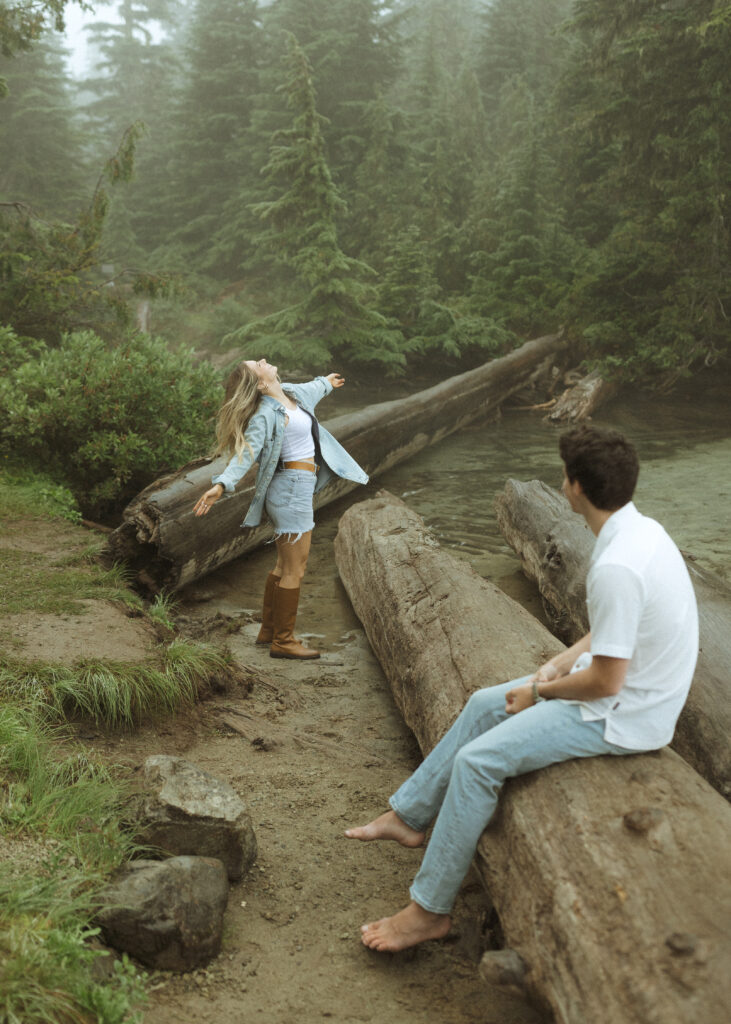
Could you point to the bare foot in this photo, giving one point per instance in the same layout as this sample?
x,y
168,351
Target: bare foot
x,y
387,826
410,926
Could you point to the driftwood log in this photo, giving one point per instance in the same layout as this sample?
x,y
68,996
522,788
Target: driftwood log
x,y
609,875
584,398
555,546
166,546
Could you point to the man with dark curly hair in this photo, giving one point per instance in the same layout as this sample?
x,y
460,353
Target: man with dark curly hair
x,y
619,690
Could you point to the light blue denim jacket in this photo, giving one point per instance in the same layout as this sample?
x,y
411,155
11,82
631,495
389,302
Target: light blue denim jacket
x,y
265,434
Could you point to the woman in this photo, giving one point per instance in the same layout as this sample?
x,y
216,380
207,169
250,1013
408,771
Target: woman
x,y
265,421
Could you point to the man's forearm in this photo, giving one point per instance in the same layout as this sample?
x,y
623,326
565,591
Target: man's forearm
x,y
603,678
564,662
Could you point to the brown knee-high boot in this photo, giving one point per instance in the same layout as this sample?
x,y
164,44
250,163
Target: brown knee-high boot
x,y
266,633
284,644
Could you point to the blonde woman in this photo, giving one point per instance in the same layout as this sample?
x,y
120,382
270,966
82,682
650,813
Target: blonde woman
x,y
274,424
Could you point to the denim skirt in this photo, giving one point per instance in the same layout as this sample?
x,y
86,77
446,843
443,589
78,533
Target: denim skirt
x,y
289,502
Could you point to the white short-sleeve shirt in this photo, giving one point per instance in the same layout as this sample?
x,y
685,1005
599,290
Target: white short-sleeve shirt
x,y
641,607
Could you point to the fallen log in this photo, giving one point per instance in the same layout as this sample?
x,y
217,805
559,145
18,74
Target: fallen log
x,y
610,875
166,546
584,398
555,546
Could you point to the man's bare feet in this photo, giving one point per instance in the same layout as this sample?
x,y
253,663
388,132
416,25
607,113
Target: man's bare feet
x,y
410,926
387,826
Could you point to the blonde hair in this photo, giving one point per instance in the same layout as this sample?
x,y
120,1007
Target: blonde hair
x,y
239,405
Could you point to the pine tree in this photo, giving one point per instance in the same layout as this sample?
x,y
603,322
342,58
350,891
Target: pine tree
x,y
133,68
351,49
653,300
212,166
43,162
524,256
135,73
331,315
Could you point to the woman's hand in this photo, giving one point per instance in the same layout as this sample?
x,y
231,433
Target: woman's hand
x,y
335,379
203,504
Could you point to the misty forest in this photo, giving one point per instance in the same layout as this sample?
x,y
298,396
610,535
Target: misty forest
x,y
396,187
490,216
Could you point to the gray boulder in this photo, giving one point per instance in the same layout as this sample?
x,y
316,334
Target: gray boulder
x,y
188,811
168,914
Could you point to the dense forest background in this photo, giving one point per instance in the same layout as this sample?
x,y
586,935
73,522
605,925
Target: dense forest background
x,y
394,184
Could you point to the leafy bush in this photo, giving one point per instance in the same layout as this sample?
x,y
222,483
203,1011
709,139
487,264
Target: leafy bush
x,y
106,421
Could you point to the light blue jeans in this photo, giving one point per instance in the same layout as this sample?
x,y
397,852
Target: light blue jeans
x,y
460,780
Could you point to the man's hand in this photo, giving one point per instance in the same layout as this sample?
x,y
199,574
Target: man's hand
x,y
545,673
335,379
519,699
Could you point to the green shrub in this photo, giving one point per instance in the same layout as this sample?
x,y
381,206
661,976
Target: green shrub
x,y
106,421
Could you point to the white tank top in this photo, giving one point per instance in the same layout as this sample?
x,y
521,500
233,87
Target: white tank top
x,y
298,443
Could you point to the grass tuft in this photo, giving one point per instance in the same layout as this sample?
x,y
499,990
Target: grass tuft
x,y
116,694
31,495
46,957
70,810
161,610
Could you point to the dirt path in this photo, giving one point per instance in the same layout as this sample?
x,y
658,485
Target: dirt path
x,y
324,746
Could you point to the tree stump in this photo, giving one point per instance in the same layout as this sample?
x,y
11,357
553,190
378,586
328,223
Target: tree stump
x,y
609,875
584,398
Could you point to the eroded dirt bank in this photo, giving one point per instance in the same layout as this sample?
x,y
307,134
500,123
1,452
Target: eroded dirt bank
x,y
312,748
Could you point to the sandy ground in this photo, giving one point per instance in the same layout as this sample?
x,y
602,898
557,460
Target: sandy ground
x,y
323,747
312,748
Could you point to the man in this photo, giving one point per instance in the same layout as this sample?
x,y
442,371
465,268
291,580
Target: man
x,y
619,690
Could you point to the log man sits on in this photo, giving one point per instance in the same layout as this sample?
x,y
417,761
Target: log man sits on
x,y
618,690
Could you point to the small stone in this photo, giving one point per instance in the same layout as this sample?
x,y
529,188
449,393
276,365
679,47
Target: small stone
x,y
643,818
682,943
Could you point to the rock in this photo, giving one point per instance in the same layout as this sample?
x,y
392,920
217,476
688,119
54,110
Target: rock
x,y
505,969
167,914
188,811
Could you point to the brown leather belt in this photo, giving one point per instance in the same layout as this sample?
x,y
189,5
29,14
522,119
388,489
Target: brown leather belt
x,y
300,465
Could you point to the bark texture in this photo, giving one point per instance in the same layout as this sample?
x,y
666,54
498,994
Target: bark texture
x,y
167,546
555,546
580,401
609,874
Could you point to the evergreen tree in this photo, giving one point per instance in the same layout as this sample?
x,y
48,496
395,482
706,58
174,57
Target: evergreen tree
x,y
135,78
24,22
331,315
351,49
520,39
43,162
50,280
133,68
525,256
446,128
213,164
654,296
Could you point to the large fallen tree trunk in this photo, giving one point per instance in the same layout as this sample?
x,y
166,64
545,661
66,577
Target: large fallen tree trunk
x,y
609,875
555,546
167,546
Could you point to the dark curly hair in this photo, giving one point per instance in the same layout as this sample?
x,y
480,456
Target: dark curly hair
x,y
604,462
